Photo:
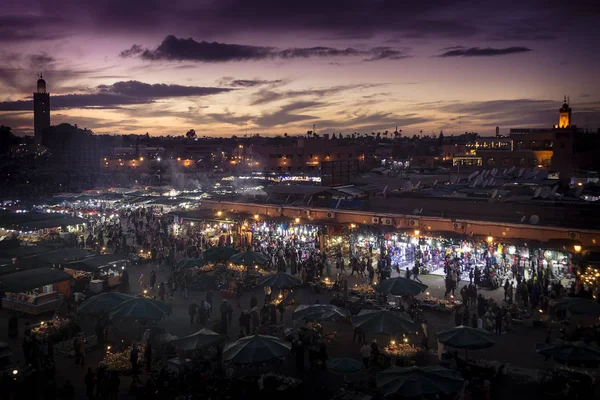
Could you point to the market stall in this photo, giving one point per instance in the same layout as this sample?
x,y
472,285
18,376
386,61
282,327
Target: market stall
x,y
35,291
98,273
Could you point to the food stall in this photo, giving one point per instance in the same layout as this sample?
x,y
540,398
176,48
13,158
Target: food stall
x,y
35,291
106,269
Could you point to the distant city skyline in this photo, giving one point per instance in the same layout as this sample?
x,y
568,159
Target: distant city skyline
x,y
272,67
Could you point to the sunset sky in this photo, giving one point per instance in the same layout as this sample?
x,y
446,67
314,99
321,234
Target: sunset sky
x,y
275,66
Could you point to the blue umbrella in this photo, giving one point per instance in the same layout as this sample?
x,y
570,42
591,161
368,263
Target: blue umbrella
x,y
385,322
344,365
256,349
103,303
465,337
579,306
320,312
415,381
576,353
190,263
400,287
199,340
216,254
141,308
249,259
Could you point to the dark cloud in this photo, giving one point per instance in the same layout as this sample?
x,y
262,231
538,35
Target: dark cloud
x,y
232,118
484,52
116,95
288,114
515,113
158,90
246,83
173,48
265,96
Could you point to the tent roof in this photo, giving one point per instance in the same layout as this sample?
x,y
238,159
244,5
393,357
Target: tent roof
x,y
36,220
25,251
34,278
92,264
64,255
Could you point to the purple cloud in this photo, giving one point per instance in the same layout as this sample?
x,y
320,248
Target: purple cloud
x,y
173,48
483,52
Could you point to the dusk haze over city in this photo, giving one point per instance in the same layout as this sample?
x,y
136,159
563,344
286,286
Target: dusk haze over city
x,y
278,200
270,67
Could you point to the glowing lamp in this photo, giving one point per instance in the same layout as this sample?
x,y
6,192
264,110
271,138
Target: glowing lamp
x,y
417,232
297,220
577,248
393,342
352,226
145,291
15,371
490,239
219,213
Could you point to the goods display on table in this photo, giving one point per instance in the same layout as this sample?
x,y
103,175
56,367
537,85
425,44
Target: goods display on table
x,y
65,348
362,290
401,350
56,330
433,303
121,361
280,382
236,268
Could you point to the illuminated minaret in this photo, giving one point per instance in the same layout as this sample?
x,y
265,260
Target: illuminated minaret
x,y
41,110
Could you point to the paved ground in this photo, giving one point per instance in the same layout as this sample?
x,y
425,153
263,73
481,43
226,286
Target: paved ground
x,y
515,348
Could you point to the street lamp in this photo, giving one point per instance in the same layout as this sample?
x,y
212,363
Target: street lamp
x,y
219,213
256,216
490,239
297,220
577,248
417,232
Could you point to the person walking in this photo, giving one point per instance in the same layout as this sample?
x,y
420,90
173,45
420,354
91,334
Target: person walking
x,y
133,358
416,273
114,383
498,318
209,300
89,381
425,335
148,356
184,289
238,294
224,311
365,353
152,279
506,286
253,301
511,291
161,291
267,290
192,311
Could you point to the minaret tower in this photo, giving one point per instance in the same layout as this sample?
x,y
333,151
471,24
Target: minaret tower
x,y
564,119
41,110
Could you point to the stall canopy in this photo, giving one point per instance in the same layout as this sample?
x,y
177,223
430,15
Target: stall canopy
x,y
93,264
32,221
25,251
64,255
31,279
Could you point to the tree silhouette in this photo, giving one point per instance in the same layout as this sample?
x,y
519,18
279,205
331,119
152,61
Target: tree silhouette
x,y
190,134
7,139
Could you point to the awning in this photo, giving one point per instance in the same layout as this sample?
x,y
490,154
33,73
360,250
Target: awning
x,y
25,251
23,281
93,264
61,256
